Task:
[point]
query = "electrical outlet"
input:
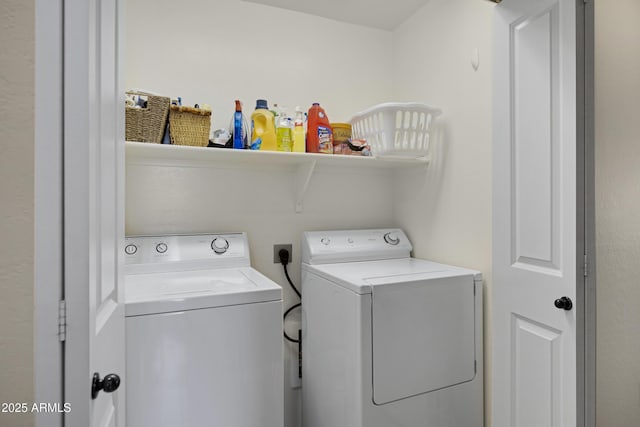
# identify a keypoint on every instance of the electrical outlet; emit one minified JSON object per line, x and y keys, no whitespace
{"x":276,"y":250}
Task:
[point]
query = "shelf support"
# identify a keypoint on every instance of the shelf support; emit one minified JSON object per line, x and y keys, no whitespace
{"x":303,"y":178}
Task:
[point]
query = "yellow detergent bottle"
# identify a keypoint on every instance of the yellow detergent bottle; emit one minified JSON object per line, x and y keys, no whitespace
{"x":284,"y":132}
{"x":299,"y":133}
{"x":263,"y":132}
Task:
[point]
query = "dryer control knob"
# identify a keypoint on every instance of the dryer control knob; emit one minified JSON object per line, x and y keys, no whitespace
{"x":219,"y":245}
{"x":391,"y":238}
{"x":325,"y":241}
{"x":161,"y":248}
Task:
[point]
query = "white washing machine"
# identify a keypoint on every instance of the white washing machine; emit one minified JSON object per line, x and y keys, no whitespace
{"x":388,"y":340}
{"x":203,"y":334}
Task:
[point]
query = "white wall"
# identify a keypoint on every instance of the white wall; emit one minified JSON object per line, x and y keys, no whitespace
{"x":217,"y":51}
{"x":16,"y":207}
{"x":193,"y":49}
{"x":444,"y":208}
{"x":617,"y":101}
{"x":447,"y":210}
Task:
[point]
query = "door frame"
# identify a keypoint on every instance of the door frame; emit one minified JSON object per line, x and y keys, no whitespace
{"x":58,"y":22}
{"x":586,"y":131}
{"x":586,"y":294}
{"x":48,"y":208}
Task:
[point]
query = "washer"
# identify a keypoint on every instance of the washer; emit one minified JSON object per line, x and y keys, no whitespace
{"x":388,"y":340}
{"x":203,"y":334}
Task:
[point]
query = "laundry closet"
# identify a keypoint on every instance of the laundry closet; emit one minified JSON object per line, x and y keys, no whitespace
{"x":437,"y":52}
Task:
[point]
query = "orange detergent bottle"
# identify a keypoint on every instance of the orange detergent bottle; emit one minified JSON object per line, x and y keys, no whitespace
{"x":319,"y":133}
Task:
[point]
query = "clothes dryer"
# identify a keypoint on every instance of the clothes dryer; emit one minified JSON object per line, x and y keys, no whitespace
{"x":388,"y":340}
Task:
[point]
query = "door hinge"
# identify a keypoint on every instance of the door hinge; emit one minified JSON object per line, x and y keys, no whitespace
{"x":62,"y":320}
{"x":586,"y":266}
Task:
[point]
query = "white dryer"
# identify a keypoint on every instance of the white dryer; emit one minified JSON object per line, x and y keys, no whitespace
{"x":203,"y":334}
{"x":388,"y":340}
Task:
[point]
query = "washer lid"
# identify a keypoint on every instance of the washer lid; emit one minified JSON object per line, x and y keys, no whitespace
{"x":190,"y":290}
{"x":361,"y":277}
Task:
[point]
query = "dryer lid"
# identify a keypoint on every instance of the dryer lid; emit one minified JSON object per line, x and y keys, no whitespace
{"x":190,"y":290}
{"x":423,"y":336}
{"x":362,"y":277}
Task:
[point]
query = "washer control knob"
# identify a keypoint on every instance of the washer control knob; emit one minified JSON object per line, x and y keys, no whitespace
{"x":130,"y":249}
{"x":325,"y":241}
{"x":391,"y":238}
{"x":219,"y":245}
{"x":161,"y":248}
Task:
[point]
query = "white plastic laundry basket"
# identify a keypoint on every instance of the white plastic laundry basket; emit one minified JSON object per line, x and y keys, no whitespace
{"x":396,"y":129}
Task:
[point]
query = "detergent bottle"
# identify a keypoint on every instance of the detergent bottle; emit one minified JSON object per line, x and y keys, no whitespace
{"x":239,"y":127}
{"x":299,"y":135}
{"x":276,"y":111}
{"x":319,"y":133}
{"x":263,"y":132}
{"x":284,"y":132}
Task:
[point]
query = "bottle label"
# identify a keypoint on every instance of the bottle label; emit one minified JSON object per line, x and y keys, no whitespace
{"x":238,"y":135}
{"x":284,"y":139}
{"x":325,"y":140}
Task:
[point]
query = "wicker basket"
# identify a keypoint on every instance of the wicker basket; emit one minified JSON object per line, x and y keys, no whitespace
{"x":189,"y":126}
{"x":147,"y":124}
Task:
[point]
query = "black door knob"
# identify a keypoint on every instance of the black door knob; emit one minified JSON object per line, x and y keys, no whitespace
{"x":563,"y":303}
{"x":109,"y":384}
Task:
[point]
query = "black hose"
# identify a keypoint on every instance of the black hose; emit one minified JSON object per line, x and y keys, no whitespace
{"x":286,"y":273}
{"x":284,"y":317}
{"x":284,"y":260}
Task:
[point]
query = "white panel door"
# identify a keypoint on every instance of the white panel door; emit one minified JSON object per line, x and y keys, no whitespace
{"x":93,"y":211}
{"x":537,"y":245}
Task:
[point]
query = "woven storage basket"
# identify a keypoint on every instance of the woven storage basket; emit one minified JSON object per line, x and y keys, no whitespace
{"x":396,"y":129}
{"x":189,"y":126}
{"x":147,"y":124}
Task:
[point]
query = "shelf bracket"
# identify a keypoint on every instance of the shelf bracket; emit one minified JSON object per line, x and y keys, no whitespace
{"x":303,"y":178}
